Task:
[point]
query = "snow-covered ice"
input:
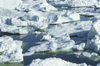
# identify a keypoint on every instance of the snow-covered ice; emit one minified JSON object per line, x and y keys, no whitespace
{"x":9,"y":4}
{"x":11,"y":50}
{"x":54,"y":62}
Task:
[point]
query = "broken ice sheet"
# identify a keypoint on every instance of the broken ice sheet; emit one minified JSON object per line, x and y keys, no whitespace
{"x":52,"y":44}
{"x":53,"y":23}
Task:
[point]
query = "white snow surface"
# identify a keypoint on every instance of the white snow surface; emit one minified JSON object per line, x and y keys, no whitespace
{"x":9,"y":4}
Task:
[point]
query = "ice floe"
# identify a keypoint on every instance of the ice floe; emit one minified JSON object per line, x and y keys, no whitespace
{"x":11,"y":50}
{"x":54,"y":62}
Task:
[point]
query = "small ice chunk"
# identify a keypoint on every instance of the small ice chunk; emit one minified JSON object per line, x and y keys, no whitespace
{"x":78,"y":28}
{"x":79,"y":46}
{"x":96,"y":27}
{"x":86,"y":54}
